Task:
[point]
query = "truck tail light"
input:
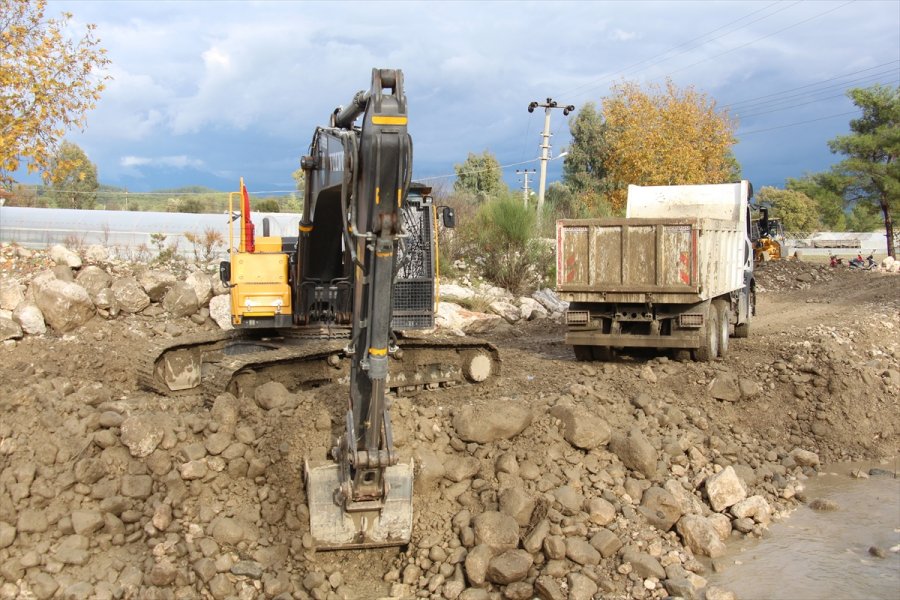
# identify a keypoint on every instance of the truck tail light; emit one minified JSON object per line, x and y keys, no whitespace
{"x":577,"y":317}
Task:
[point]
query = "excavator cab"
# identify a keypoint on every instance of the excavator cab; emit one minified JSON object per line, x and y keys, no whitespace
{"x":767,"y":236}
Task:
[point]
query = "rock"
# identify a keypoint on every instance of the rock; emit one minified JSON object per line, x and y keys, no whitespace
{"x":496,"y":530}
{"x":226,"y":530}
{"x":65,"y":306}
{"x":509,"y":312}
{"x":519,"y":590}
{"x":156,"y":283}
{"x":194,"y":469}
{"x":43,"y":585}
{"x":725,"y":387}
{"x":130,"y":296}
{"x":748,"y":388}
{"x":547,"y":589}
{"x":94,"y":280}
{"x":820,"y":504}
{"x":660,"y":508}
{"x":606,"y":542}
{"x":429,"y":470}
{"x":73,"y":550}
{"x":635,"y":451}
{"x":600,"y":511}
{"x":180,"y":300}
{"x":754,"y":507}
{"x":11,"y":294}
{"x":477,"y":561}
{"x":722,"y":524}
{"x":681,"y":587}
{"x":451,"y":291}
{"x":549,"y":300}
{"x":724,"y":489}
{"x":137,"y":486}
{"x":7,"y":535}
{"x":32,"y":521}
{"x":247,"y":568}
{"x":530,"y":309}
{"x":498,"y":421}
{"x":804,"y":458}
{"x":582,"y":428}
{"x":700,"y":536}
{"x":86,"y":522}
{"x":569,"y":499}
{"x":716,"y":593}
{"x":643,"y":564}
{"x":30,"y":318}
{"x":220,"y":311}
{"x":460,"y":468}
{"x":272,"y":394}
{"x":95,"y":253}
{"x":535,"y":538}
{"x":202,"y":286}
{"x":580,"y":551}
{"x":63,"y":256}
{"x":454,"y":316}
{"x":517,"y":503}
{"x":509,"y":567}
{"x":142,"y":434}
{"x":581,"y":587}
{"x":10,"y":330}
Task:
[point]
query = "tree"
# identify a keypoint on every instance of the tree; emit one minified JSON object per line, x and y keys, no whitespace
{"x":873,"y":149}
{"x":72,"y":178}
{"x":664,"y":137}
{"x":797,"y":211}
{"x":827,"y":191}
{"x":480,"y":175}
{"x":48,"y":82}
{"x":583,"y":166}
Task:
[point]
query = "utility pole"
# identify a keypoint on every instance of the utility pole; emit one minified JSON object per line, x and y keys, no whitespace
{"x":545,"y":145}
{"x":525,"y":173}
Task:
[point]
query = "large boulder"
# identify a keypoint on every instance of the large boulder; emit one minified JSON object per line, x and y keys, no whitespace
{"x":11,"y":294}
{"x":156,"y":283}
{"x":549,"y":300}
{"x":530,"y":309}
{"x":180,"y":300}
{"x":65,"y":306}
{"x":508,"y":311}
{"x":129,"y":295}
{"x":725,"y":489}
{"x":451,"y":291}
{"x":30,"y":317}
{"x":498,"y":531}
{"x":63,"y":256}
{"x":93,"y":279}
{"x":202,"y":286}
{"x":582,"y":428}
{"x":700,"y":535}
{"x":500,"y":420}
{"x":660,"y":507}
{"x":96,"y":253}
{"x":635,"y":451}
{"x":453,"y":316}
{"x":220,"y":311}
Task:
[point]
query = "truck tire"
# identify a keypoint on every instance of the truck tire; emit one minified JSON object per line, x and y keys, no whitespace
{"x":723,"y":312}
{"x":583,"y":353}
{"x":709,"y":337}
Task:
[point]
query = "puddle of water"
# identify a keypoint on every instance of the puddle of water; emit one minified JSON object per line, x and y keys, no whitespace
{"x":812,"y":555}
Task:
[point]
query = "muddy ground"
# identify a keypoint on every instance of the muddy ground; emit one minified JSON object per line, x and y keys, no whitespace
{"x":107,"y":491}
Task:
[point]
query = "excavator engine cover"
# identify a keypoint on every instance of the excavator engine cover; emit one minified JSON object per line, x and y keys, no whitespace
{"x":387,"y":522}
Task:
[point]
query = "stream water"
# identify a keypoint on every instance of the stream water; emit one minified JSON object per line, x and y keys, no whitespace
{"x":817,"y":555}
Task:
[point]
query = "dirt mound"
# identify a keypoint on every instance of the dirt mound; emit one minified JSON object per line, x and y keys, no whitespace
{"x":107,"y":491}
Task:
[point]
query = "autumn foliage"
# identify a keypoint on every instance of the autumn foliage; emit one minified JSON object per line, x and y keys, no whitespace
{"x":48,"y":82}
{"x":664,"y":136}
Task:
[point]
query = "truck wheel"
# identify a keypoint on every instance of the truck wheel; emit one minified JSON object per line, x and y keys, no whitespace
{"x":583,"y":353}
{"x":709,"y":337}
{"x":723,"y":312}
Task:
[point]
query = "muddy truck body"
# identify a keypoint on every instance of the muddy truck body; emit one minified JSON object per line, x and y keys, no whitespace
{"x":675,"y":273}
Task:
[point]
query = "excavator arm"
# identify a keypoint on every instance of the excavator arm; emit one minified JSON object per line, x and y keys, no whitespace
{"x":362,"y":176}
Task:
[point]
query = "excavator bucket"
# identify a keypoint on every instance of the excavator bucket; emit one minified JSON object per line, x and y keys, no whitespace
{"x":371,"y":525}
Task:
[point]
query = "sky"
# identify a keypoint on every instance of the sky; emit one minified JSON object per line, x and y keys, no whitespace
{"x":202,"y":93}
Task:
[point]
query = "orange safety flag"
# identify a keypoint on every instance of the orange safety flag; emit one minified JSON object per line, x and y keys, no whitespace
{"x":247,"y":238}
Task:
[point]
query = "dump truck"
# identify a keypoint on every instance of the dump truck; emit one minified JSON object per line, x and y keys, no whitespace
{"x":676,"y":273}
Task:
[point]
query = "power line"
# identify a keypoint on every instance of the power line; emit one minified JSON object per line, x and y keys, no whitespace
{"x":852,"y":112}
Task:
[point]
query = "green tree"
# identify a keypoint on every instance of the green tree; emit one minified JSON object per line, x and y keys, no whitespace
{"x":583,"y":166}
{"x":48,"y":82}
{"x":872,"y":150}
{"x":72,"y":178}
{"x":481,"y":176}
{"x":865,"y":216}
{"x":827,"y":191}
{"x":797,"y":211}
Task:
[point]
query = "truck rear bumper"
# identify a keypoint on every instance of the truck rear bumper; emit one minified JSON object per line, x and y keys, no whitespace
{"x":595,"y":338}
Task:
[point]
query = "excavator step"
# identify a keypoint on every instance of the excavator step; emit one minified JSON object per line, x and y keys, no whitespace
{"x":384,"y":523}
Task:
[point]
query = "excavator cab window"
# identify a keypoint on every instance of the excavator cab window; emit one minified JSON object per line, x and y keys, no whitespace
{"x":448,"y":217}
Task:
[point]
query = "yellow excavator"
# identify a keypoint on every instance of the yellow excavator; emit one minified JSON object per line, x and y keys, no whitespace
{"x":767,"y":237}
{"x":340,"y":301}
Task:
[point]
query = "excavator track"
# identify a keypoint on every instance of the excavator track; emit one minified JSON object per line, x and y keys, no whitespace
{"x":238,"y":361}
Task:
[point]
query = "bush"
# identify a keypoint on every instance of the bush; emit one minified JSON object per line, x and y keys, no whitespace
{"x":269,"y":205}
{"x":504,"y":237}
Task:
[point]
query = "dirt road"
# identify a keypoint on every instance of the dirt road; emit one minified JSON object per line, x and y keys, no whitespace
{"x":107,"y":491}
